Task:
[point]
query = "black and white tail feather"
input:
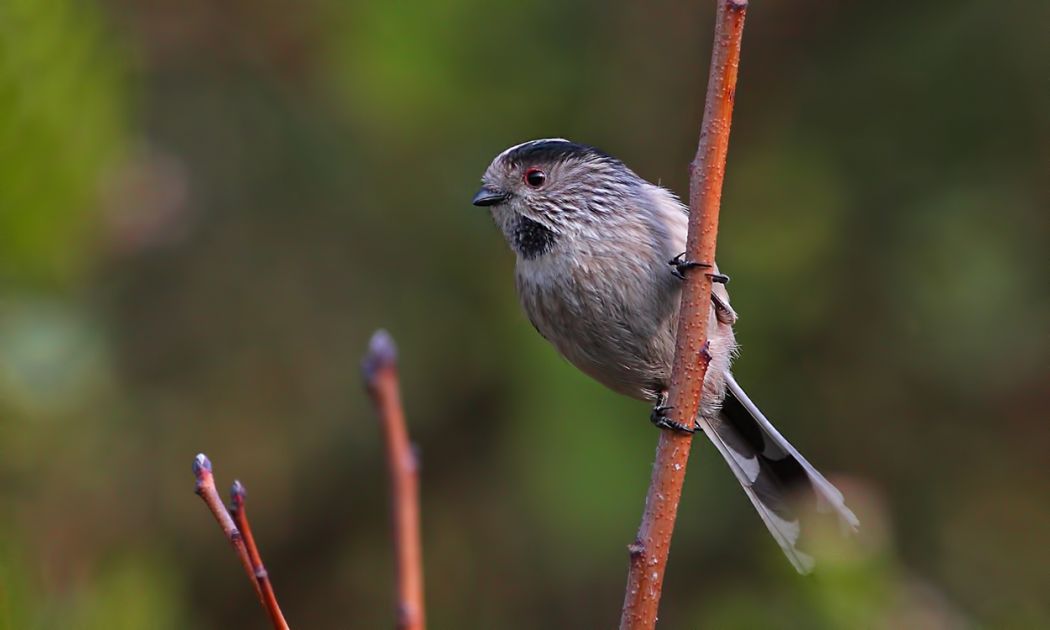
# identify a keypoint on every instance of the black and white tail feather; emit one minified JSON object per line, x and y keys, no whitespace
{"x":773,"y":474}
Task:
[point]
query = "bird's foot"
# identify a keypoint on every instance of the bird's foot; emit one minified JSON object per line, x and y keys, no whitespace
{"x":681,"y":264}
{"x":661,"y":420}
{"x":705,"y":351}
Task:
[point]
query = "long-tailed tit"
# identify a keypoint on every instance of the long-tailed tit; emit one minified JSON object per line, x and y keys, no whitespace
{"x":598,"y":273}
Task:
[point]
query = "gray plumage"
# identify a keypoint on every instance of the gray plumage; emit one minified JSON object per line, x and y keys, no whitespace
{"x":593,"y":242}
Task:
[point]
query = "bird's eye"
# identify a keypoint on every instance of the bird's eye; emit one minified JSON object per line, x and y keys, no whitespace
{"x":535,"y":177}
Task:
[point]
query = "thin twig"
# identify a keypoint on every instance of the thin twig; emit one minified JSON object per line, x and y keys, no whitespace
{"x":381,"y":379}
{"x":206,"y":490}
{"x":262,"y":577}
{"x":649,"y":551}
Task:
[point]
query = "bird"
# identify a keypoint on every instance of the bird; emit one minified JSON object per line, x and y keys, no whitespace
{"x":599,"y":267}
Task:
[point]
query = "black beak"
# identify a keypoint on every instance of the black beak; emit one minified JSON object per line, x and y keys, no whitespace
{"x":489,"y":197}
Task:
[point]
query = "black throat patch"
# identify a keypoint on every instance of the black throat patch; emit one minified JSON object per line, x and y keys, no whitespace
{"x":531,"y":239}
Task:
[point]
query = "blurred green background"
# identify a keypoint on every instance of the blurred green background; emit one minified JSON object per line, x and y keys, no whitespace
{"x":207,"y":207}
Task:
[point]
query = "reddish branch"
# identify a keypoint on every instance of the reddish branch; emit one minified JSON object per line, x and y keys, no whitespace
{"x":262,"y":578}
{"x":381,"y":379}
{"x":649,"y":551}
{"x":239,"y":534}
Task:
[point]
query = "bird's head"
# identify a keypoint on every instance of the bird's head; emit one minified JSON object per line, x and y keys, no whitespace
{"x":540,"y":190}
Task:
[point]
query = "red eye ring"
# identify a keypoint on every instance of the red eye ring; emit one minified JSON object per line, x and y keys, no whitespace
{"x":534,"y":177}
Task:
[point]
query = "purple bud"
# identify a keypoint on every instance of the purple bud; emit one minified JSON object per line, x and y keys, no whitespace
{"x":238,"y":492}
{"x":201,"y":465}
{"x":382,"y":353}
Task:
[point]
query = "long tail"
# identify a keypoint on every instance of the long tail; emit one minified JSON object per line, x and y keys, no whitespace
{"x":774,"y":475}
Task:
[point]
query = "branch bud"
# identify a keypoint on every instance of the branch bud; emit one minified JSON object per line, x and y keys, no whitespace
{"x":382,"y":353}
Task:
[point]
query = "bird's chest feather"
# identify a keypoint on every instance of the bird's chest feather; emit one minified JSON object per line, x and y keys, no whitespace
{"x":607,"y":314}
{"x":569,"y":289}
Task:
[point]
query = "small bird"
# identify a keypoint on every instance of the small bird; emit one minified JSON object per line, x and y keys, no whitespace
{"x":600,"y":259}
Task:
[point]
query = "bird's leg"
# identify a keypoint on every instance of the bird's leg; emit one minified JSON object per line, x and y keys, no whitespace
{"x":681,"y":264}
{"x":660,"y":418}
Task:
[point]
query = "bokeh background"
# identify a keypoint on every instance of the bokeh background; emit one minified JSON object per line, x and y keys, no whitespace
{"x":207,"y":207}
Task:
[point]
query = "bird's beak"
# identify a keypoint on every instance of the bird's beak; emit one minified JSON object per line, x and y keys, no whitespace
{"x":489,"y":197}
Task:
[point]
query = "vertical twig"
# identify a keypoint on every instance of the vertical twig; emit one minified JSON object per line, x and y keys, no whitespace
{"x":381,"y":379}
{"x":239,"y":534}
{"x":262,"y":578}
{"x":650,"y":549}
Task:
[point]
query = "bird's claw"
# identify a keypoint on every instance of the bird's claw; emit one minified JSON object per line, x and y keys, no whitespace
{"x":661,"y":420}
{"x":680,"y":265}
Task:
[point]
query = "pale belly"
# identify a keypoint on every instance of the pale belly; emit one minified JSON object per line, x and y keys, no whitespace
{"x":619,"y":330}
